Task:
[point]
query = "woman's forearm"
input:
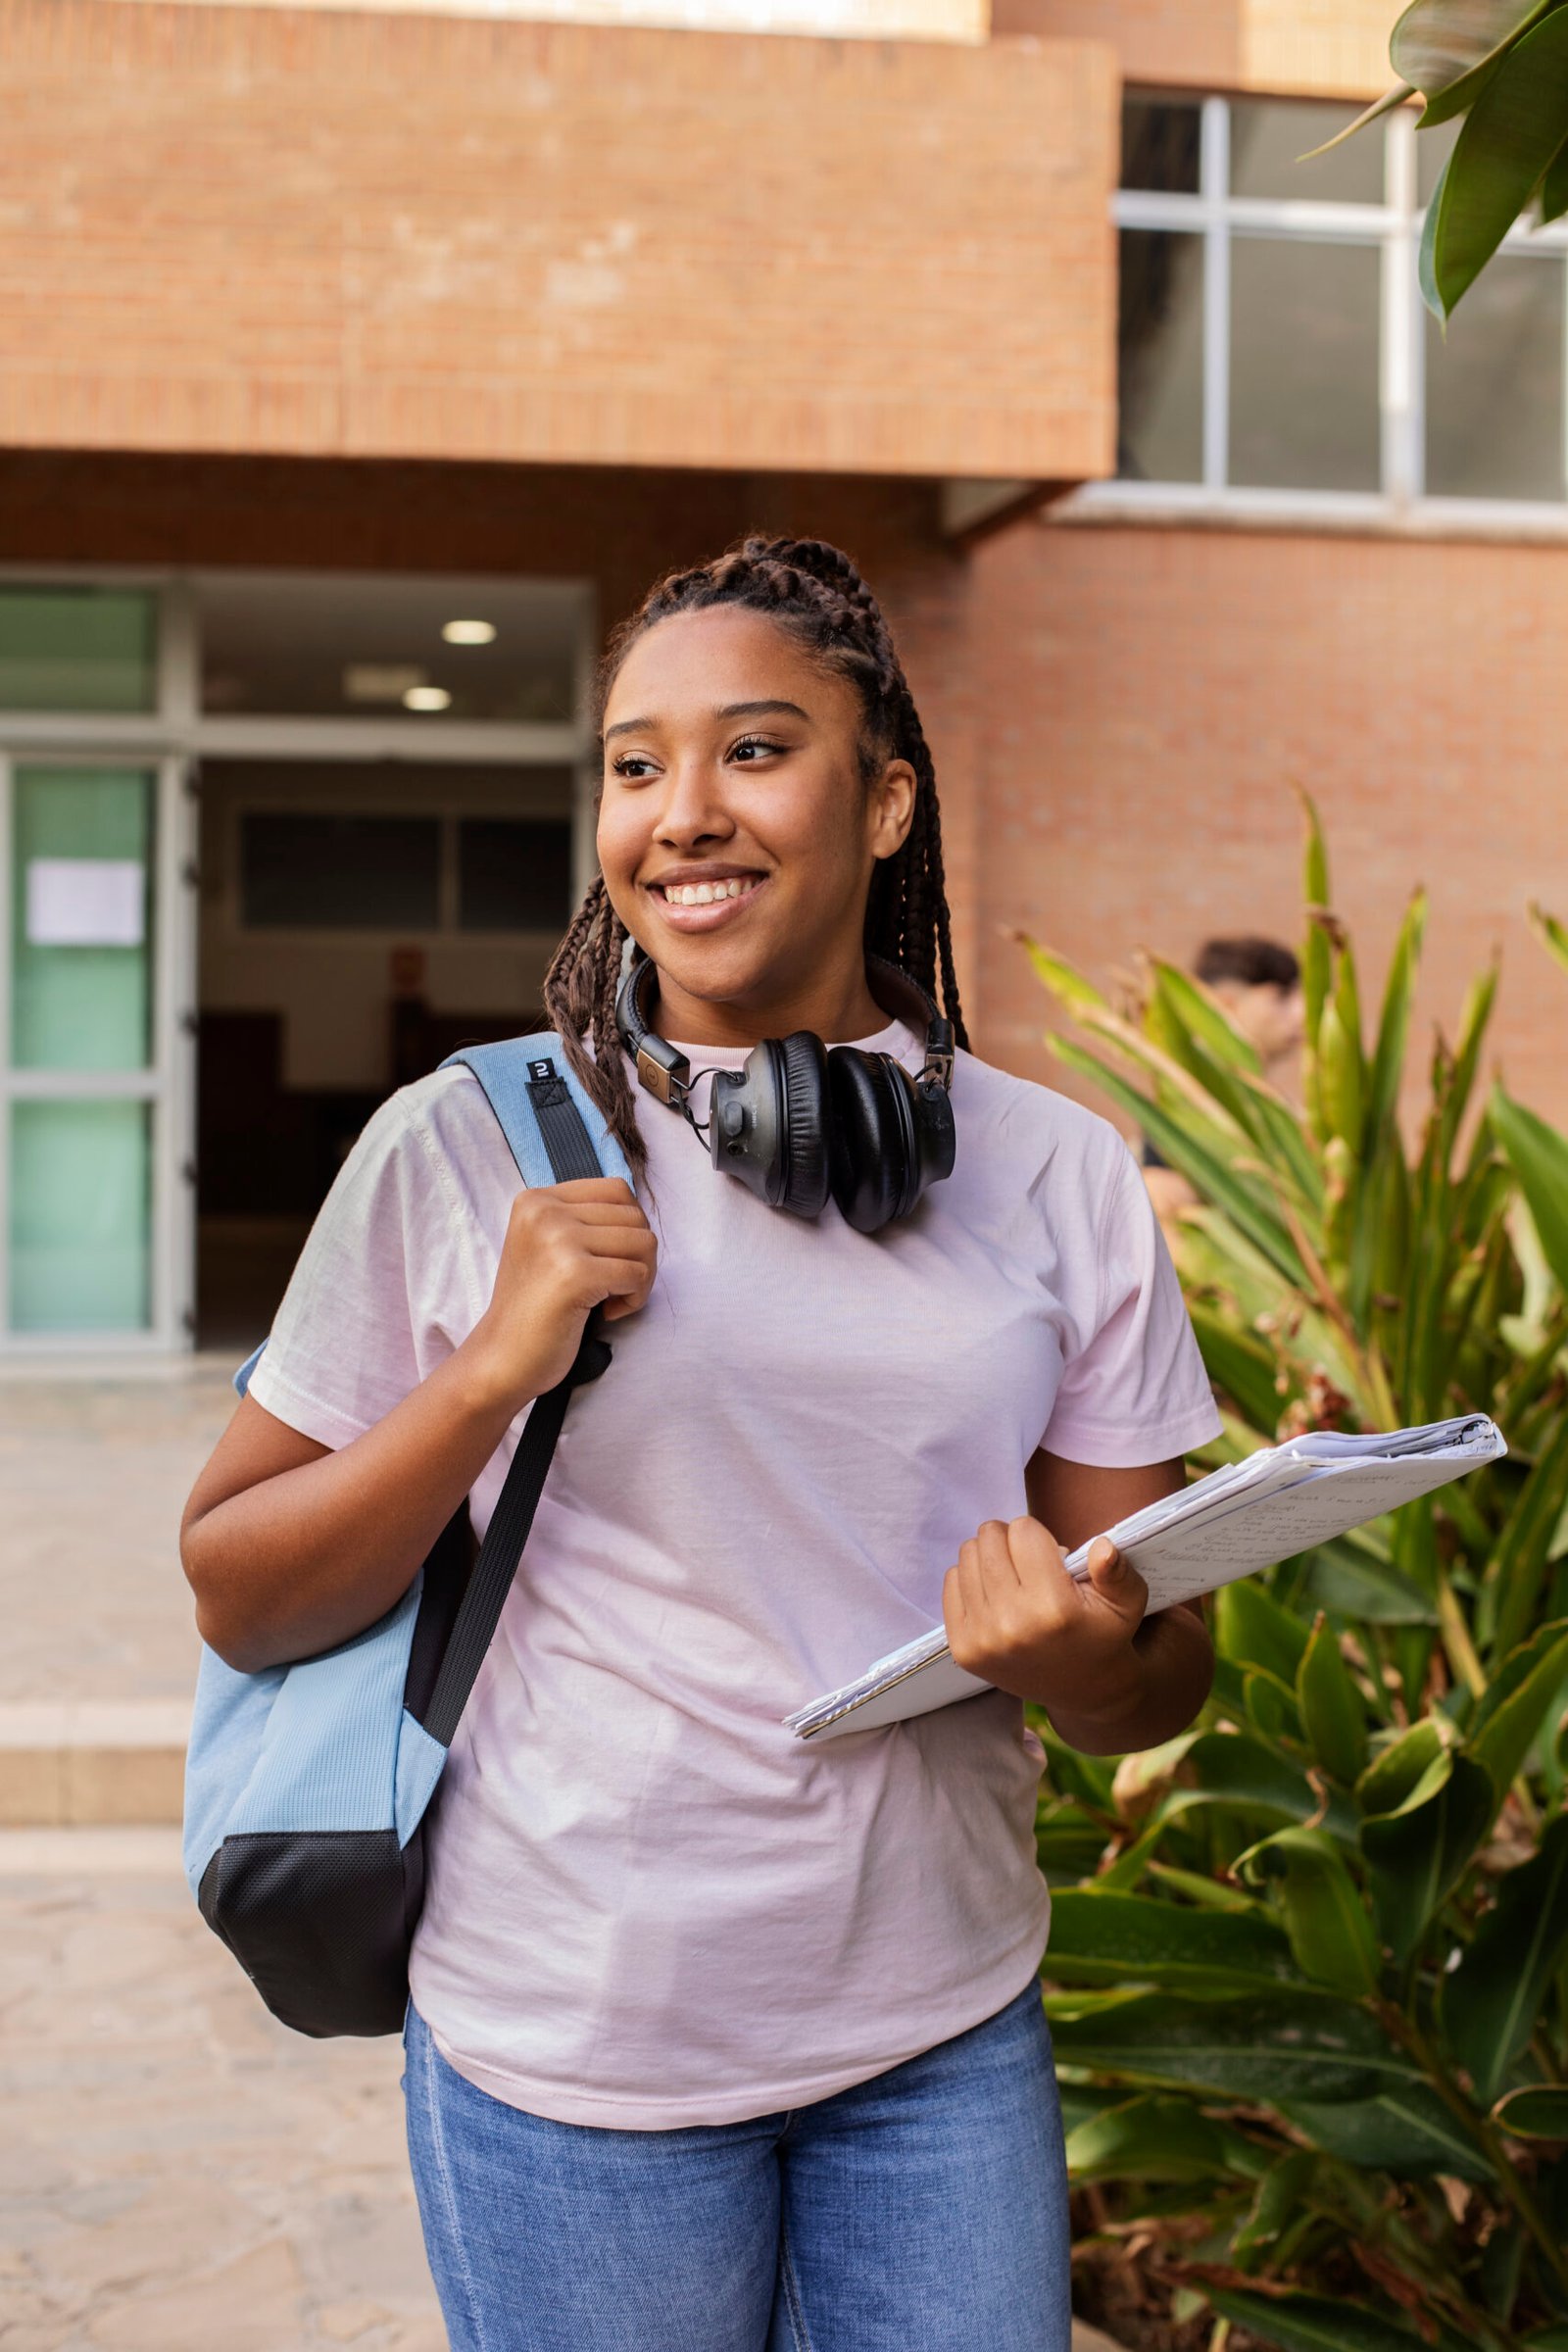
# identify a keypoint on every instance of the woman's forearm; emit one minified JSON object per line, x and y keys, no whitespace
{"x":1170,"y":1672}
{"x":302,"y":1560}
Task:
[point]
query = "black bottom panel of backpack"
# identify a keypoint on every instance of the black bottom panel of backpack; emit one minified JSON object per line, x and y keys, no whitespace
{"x":320,"y":1921}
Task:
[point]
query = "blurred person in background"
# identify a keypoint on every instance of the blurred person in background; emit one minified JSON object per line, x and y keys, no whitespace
{"x":1258,"y":982}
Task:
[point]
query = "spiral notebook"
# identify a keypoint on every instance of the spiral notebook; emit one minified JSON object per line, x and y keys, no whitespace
{"x":1279,"y":1501}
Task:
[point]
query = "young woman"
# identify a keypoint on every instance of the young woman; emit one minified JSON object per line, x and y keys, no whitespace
{"x":720,"y":2040}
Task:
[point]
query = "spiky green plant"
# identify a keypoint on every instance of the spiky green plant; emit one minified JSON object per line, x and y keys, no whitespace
{"x":1308,"y":1966}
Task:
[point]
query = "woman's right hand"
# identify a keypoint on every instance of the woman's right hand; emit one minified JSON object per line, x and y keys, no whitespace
{"x":569,"y":1247}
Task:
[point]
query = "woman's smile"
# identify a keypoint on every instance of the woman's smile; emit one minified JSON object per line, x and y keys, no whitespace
{"x":692,"y":900}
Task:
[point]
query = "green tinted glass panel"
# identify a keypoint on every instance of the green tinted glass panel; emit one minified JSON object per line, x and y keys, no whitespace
{"x":78,"y":649}
{"x":80,"y":1257}
{"x":82,"y":919}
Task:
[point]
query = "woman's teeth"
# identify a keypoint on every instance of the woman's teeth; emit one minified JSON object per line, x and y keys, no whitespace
{"x":703,"y":894}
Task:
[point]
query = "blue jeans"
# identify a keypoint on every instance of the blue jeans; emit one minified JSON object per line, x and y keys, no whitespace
{"x":923,"y":2211}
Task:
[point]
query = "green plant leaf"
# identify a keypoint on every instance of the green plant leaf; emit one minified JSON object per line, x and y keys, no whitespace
{"x":1113,"y":1939}
{"x":1234,"y":1769}
{"x":1538,"y":1156}
{"x":1071,"y":988}
{"x":1259,"y":2046}
{"x":1333,"y":1710}
{"x":1417,"y":1855}
{"x":1538,"y":2112}
{"x":1552,"y":934}
{"x":1518,"y":1568}
{"x":1299,"y":2323}
{"x":1515,"y":127}
{"x":1324,"y":1911}
{"x":1545,"y":2340}
{"x":1514,"y":1704}
{"x":1408,"y":2130}
{"x":1203,"y":1017}
{"x":1157,"y":2139}
{"x":1491,"y":2002}
{"x":1447,"y":46}
{"x":1251,"y":1628}
{"x":1270,"y":1706}
{"x":1406,"y":1771}
{"x":1351,"y":1585}
{"x":1341,"y":1070}
{"x":1238,"y":1364}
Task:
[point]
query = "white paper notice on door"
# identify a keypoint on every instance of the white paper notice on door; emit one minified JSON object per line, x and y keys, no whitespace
{"x":85,"y":902}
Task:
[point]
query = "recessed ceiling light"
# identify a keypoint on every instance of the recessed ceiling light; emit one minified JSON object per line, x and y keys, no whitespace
{"x":470,"y":632}
{"x":426,"y":697}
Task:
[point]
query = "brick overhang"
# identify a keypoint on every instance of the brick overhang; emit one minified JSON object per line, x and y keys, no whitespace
{"x":284,"y":233}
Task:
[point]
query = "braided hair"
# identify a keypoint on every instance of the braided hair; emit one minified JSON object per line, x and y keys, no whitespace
{"x":814,"y":592}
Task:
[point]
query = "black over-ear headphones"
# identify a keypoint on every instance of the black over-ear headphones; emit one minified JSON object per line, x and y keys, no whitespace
{"x":804,"y":1120}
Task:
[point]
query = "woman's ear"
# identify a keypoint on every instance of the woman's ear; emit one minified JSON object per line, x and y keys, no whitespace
{"x":890,"y":807}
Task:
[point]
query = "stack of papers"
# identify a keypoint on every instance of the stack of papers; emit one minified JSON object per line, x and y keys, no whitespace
{"x":1250,"y":1515}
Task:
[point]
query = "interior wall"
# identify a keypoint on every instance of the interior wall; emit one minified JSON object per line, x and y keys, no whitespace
{"x":332,"y":989}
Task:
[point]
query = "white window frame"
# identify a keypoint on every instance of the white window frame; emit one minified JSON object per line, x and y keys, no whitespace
{"x":173,"y":740}
{"x":1394,"y":227}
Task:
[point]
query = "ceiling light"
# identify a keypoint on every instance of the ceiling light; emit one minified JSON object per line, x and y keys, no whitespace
{"x":470,"y":632}
{"x":426,"y":697}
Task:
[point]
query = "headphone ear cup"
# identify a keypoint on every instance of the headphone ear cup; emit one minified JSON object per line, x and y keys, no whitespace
{"x":801,"y":1075}
{"x":873,"y":1161}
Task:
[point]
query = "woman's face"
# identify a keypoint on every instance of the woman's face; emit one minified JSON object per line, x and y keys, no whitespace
{"x":736,"y":832}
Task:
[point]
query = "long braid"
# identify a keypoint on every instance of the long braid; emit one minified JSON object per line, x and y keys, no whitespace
{"x":814,"y":591}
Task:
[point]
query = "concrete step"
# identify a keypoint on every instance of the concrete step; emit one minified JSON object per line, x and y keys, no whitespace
{"x":71,"y":1763}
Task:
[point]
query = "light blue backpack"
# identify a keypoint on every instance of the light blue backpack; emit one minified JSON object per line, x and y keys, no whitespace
{"x":307,"y":1787}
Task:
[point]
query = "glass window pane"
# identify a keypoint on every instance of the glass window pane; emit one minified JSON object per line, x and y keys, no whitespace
{"x":1160,"y":357}
{"x":82,"y":918}
{"x":1494,"y":389}
{"x":1160,"y":138}
{"x":340,"y":873}
{"x":78,"y":649}
{"x":344,"y":647}
{"x":1269,"y":136}
{"x":513,"y":874}
{"x":1304,"y":365}
{"x":80,"y":1193}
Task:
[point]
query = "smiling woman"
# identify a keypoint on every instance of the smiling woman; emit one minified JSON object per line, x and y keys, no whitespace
{"x":715,"y":2039}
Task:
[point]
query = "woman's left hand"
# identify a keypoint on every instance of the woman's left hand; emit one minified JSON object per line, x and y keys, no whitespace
{"x":1019,"y":1620}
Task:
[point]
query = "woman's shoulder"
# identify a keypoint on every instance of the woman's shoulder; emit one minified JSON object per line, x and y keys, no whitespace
{"x":1023,"y":1121}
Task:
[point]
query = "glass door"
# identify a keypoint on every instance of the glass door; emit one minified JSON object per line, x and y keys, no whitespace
{"x":96,"y":1189}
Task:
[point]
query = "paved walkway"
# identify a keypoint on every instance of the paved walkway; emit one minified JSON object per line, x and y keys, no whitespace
{"x":94,"y":1472}
{"x":177,"y":2172}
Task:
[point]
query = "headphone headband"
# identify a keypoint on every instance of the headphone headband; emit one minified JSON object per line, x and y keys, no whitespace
{"x":666,"y":1073}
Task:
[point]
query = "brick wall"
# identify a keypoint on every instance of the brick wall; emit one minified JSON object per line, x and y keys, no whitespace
{"x":1311,"y":48}
{"x":1151,"y":694}
{"x":344,"y":233}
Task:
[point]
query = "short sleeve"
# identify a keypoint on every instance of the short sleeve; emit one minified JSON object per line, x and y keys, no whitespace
{"x":383,"y":1290}
{"x":1136,"y":1391}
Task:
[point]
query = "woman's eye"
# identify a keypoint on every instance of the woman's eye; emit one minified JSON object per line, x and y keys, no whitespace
{"x":631,"y":767}
{"x":753,"y":747}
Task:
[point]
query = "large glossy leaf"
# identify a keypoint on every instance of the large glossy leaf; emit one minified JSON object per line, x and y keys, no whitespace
{"x":1112,"y":1938}
{"x":1333,"y":1710}
{"x":1407,"y":1769}
{"x":1352,"y":1583}
{"x":1408,"y":2129}
{"x":1299,"y":2323}
{"x":1417,"y":1856}
{"x":1258,"y":2046}
{"x":1449,"y":49}
{"x":1515,"y":1704}
{"x":1437,"y":42}
{"x":1538,"y":1156}
{"x":1158,"y":2138}
{"x":1514,"y":127}
{"x":1491,"y":2002}
{"x":1323,"y":1909}
{"x":1233,"y":1769}
{"x":1252,"y":1629}
{"x":1538,"y":2112}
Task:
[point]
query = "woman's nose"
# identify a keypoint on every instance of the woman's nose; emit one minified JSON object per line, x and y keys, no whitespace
{"x":692,"y":809}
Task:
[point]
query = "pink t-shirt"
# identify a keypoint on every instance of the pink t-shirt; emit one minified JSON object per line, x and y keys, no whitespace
{"x":650,"y":1905}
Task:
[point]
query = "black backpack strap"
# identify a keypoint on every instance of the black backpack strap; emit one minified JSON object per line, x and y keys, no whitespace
{"x":571,"y":1155}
